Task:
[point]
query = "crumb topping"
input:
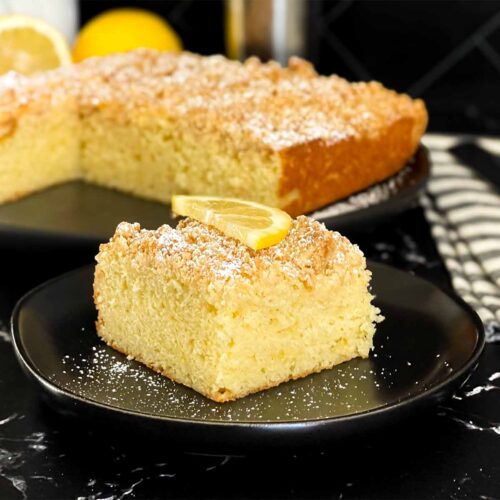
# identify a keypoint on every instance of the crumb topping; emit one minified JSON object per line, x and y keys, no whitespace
{"x":206,"y":254}
{"x":37,"y":93}
{"x":251,"y":102}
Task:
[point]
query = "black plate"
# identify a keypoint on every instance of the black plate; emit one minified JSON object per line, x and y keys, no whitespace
{"x":76,"y":213}
{"x":426,"y":347}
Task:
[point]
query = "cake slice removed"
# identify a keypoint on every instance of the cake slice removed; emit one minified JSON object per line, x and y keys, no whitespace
{"x":211,"y":313}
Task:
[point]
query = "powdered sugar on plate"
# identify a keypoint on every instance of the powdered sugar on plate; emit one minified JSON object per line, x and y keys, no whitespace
{"x":104,"y":376}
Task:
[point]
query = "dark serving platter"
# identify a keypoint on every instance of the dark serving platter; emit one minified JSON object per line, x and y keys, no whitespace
{"x":76,"y":213}
{"x":425,"y":349}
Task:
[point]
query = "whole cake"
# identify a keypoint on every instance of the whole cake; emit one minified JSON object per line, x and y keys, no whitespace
{"x":211,"y":313}
{"x":157,"y":124}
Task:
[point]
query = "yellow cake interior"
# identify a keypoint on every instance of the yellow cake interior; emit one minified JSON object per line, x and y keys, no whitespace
{"x":114,"y":154}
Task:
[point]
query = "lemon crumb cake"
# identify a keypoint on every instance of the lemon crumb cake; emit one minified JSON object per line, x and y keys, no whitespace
{"x":156,"y":124}
{"x":209,"y":312}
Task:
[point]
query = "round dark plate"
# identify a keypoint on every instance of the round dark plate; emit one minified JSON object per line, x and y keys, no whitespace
{"x":76,"y":213}
{"x":424,"y":350}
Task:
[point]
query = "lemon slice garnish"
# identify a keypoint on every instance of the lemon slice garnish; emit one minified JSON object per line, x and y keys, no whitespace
{"x":257,"y":226}
{"x":28,"y":45}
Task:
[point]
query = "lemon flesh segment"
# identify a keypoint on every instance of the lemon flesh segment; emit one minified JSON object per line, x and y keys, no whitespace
{"x":28,"y":45}
{"x":255,"y":225}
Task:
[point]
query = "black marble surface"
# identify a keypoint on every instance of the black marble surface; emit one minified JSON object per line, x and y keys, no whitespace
{"x":451,"y":451}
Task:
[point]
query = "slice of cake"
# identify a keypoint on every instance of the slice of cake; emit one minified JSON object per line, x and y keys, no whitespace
{"x":209,"y":312}
{"x":156,"y":124}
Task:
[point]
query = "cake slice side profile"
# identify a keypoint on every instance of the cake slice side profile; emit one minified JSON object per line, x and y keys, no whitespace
{"x":225,"y":320}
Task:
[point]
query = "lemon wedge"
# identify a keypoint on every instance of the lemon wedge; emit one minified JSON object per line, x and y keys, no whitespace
{"x":28,"y":45}
{"x":255,"y":225}
{"x":124,"y":29}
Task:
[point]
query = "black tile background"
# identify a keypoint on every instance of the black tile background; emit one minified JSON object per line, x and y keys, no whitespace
{"x":445,"y":51}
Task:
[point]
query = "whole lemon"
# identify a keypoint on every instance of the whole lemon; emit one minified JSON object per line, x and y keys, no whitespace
{"x":120,"y":30}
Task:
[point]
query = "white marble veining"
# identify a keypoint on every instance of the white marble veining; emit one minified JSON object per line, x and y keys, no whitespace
{"x":471,"y":421}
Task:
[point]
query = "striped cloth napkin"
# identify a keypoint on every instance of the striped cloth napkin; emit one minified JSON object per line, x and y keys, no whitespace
{"x":463,"y":210}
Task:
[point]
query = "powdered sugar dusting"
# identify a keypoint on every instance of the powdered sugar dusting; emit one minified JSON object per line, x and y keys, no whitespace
{"x":251,"y":104}
{"x":202,"y":254}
